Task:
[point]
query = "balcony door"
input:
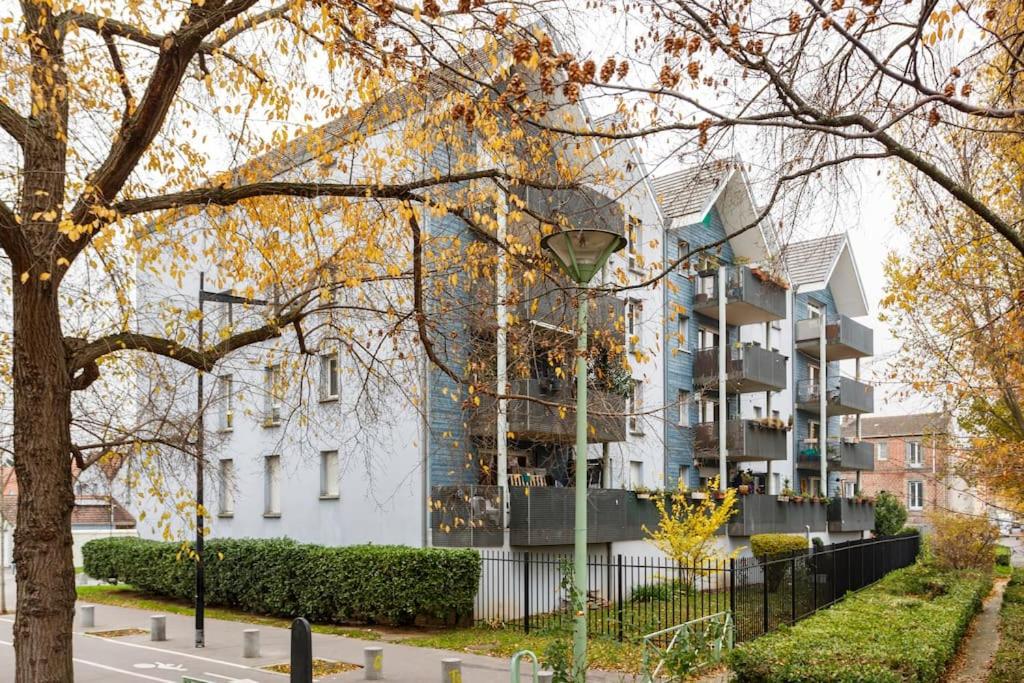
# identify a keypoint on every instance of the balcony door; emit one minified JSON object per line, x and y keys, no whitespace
{"x":707,"y":338}
{"x":708,"y":411}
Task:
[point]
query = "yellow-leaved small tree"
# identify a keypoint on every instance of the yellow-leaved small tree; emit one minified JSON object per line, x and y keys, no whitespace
{"x":686,"y":530}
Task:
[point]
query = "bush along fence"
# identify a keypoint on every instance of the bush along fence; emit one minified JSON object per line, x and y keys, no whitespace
{"x":353,"y":584}
{"x":633,"y":596}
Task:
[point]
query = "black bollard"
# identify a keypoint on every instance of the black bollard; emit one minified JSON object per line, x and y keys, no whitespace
{"x":302,"y":652}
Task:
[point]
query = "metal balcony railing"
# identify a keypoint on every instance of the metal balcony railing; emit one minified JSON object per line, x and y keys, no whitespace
{"x":547,"y":516}
{"x":845,"y":338}
{"x":766,"y":514}
{"x":751,"y":297}
{"x":745,"y":440}
{"x":843,"y":396}
{"x":552,"y":417}
{"x":846,"y":514}
{"x":843,"y":455}
{"x":748,"y":368}
{"x":466,"y":516}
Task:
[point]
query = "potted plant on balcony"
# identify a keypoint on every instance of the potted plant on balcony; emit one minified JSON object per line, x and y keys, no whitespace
{"x":642,"y":492}
{"x":798,"y":499}
{"x":746,"y":483}
{"x":786,"y":493}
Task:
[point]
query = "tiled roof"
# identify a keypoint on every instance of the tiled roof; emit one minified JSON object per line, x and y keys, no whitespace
{"x":687,"y":191}
{"x":918,"y":424}
{"x":88,"y":511}
{"x":810,"y":261}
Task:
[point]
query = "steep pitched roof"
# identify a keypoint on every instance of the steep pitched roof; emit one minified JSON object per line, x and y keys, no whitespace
{"x":811,"y":261}
{"x":688,"y":191}
{"x":916,"y":424}
{"x":88,"y":511}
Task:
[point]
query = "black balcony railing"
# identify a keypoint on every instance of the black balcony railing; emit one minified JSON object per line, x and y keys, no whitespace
{"x":843,"y":455}
{"x":751,"y":297}
{"x":844,"y":338}
{"x":552,"y":416}
{"x":766,"y":514}
{"x":748,"y":368}
{"x":466,"y":516}
{"x":847,"y":514}
{"x":843,"y":396}
{"x":745,"y":440}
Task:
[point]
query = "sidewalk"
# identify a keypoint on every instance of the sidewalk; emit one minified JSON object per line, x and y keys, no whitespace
{"x":133,"y":658}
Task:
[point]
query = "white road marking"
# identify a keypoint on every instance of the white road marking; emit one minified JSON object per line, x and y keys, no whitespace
{"x":173,"y":653}
{"x":230,"y":679}
{"x":108,"y":668}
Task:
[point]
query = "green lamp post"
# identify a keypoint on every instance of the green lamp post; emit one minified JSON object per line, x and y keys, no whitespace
{"x":581,"y":253}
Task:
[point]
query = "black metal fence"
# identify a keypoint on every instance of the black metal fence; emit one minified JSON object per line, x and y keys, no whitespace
{"x":632,"y":596}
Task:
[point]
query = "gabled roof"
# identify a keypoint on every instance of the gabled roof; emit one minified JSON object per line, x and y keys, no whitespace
{"x":815,"y":264}
{"x":88,"y":511}
{"x":688,"y":196}
{"x":917,"y":424}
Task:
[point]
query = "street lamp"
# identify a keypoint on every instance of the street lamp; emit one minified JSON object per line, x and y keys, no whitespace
{"x":581,"y":253}
{"x":200,"y":587}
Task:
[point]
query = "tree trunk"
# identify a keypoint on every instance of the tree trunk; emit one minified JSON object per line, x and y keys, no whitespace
{"x":42,"y":444}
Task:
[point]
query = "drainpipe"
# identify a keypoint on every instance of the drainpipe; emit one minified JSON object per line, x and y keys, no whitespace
{"x":822,"y":405}
{"x":723,"y":348}
{"x":768,"y":409}
{"x":425,"y":538}
{"x":501,"y":291}
{"x":856,"y":365}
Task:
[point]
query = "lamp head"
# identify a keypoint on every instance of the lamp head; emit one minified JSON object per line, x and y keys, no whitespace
{"x":581,"y":253}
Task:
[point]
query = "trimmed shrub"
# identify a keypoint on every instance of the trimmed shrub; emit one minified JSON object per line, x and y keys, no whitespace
{"x":907,"y":627}
{"x":890,"y":514}
{"x":1008,"y":665}
{"x":353,"y":584}
{"x":766,"y":546}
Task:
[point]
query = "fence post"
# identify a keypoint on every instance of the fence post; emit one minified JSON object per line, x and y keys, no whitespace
{"x":764,"y":592}
{"x":526,"y":592}
{"x":618,"y":603}
{"x":792,"y":587}
{"x":732,"y":588}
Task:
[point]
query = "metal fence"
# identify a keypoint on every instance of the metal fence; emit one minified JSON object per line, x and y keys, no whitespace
{"x":632,"y":596}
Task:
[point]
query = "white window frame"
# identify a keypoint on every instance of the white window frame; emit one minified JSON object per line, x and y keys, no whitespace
{"x":636,"y":403}
{"x":849,"y":489}
{"x":915,"y":454}
{"x":912,"y":503}
{"x":815,"y":310}
{"x":683,"y":398}
{"x":329,"y":475}
{"x":273,"y":403}
{"x":683,"y":332}
{"x":758,"y":412}
{"x":636,"y":466}
{"x":683,"y":247}
{"x":272,"y":486}
{"x":706,"y":335}
{"x":226,"y":497}
{"x":225,"y":403}
{"x":707,"y":410}
{"x":635,"y":235}
{"x":882,"y":451}
{"x":634,"y":324}
{"x":330,"y":375}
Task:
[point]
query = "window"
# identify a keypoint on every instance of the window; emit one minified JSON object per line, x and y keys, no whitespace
{"x":914,"y":454}
{"x":226,"y":499}
{"x":815,"y":310}
{"x":225,"y":403}
{"x":708,"y":410}
{"x":849,"y":489}
{"x":328,"y":474}
{"x":812,"y":431}
{"x":634,"y":330}
{"x":915,"y":495}
{"x":814,"y":373}
{"x":272,"y":396}
{"x":774,"y":334}
{"x":329,"y":380}
{"x":682,"y":332}
{"x":635,"y":235}
{"x":636,"y":474}
{"x":706,"y":338}
{"x":636,"y":404}
{"x":758,"y":412}
{"x":272,"y":485}
{"x":776,"y":483}
{"x":706,"y":283}
{"x":882,"y":450}
{"x":777,"y":415}
{"x":684,"y":408}
{"x":682,"y":249}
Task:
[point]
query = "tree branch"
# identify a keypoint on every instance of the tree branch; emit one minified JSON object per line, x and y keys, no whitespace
{"x":15,"y":125}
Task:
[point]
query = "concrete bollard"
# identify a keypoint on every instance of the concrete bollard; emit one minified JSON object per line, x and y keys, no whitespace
{"x":251,"y":643}
{"x":545,"y":676}
{"x":158,"y":627}
{"x":451,"y":670}
{"x":88,"y":616}
{"x":373,"y":663}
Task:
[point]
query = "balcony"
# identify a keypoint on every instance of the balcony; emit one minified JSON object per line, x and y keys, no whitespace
{"x":845,"y":338}
{"x":846,"y":514}
{"x":750,"y":298}
{"x":552,"y":417}
{"x":843,"y":456}
{"x":766,"y":514}
{"x":844,"y":396}
{"x":547,"y":516}
{"x":466,"y":516}
{"x":749,"y":368}
{"x":547,"y":305}
{"x":745,"y":441}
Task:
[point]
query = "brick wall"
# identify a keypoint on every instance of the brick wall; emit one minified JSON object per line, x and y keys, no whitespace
{"x":893,"y":474}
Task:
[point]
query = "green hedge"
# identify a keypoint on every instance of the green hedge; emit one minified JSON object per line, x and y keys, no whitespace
{"x":1008,"y":665}
{"x":1003,"y":554}
{"x":353,"y":584}
{"x":772,"y":545}
{"x":905,"y":628}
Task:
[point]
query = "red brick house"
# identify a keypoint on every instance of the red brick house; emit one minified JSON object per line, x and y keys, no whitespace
{"x":914,"y":461}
